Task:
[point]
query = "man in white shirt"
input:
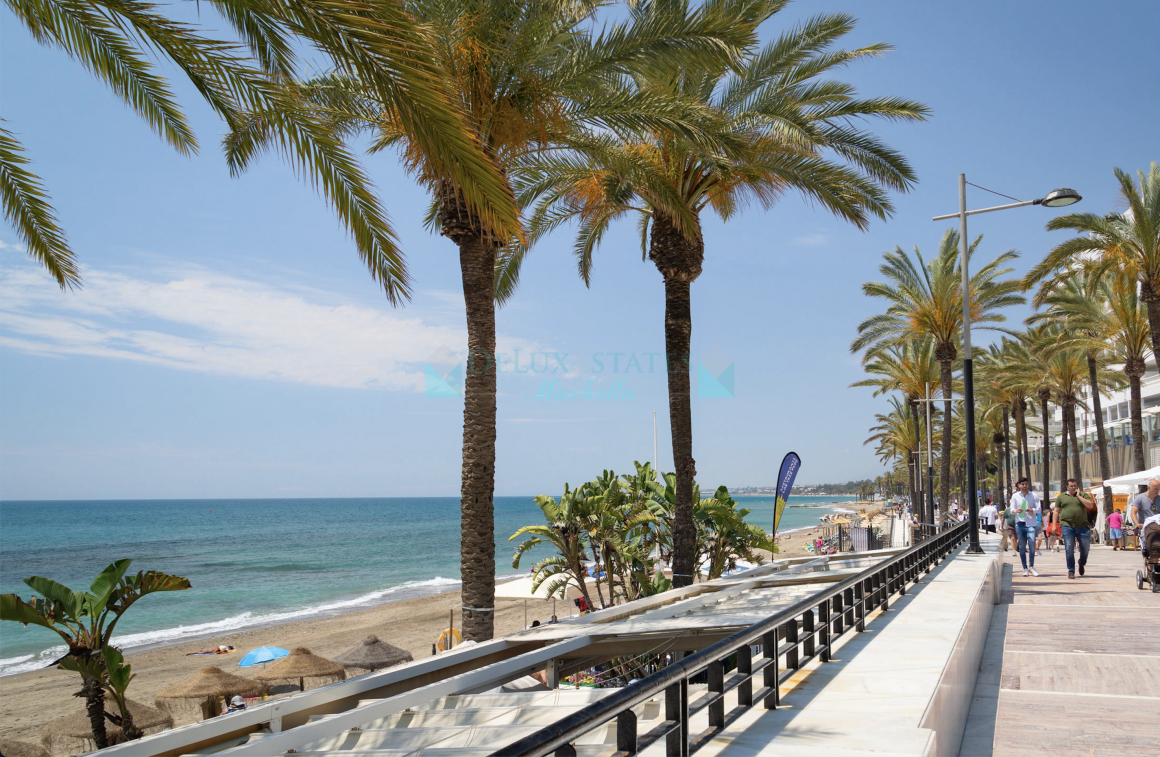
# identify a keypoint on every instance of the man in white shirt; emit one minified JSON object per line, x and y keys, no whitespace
{"x":989,"y":513}
{"x":1025,"y":504}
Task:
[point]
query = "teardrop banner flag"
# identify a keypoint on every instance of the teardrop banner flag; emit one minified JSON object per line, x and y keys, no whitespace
{"x":790,"y":465}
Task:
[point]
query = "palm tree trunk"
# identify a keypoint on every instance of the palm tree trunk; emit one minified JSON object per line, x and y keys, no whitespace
{"x":95,"y":707}
{"x":1101,"y":439}
{"x":679,"y":261}
{"x":1043,"y":402}
{"x":1063,"y":453}
{"x":916,"y":463}
{"x":1007,"y":491}
{"x":1024,"y":440}
{"x":944,"y":489}
{"x":1137,"y":416}
{"x":1151,"y":298}
{"x":1072,"y":421}
{"x":477,"y":259}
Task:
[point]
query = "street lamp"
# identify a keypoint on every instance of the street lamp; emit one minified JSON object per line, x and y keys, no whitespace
{"x":1057,"y":198}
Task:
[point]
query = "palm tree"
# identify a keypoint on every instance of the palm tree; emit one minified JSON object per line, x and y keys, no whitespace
{"x":926,"y":301}
{"x":910,"y":368}
{"x":1109,"y":322}
{"x":564,"y":530}
{"x":522,"y":75}
{"x":778,"y":126}
{"x":1128,"y":242}
{"x":85,"y":621}
{"x":114,"y":41}
{"x":896,"y":438}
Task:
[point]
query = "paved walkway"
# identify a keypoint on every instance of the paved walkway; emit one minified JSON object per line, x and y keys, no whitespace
{"x":1072,"y":667}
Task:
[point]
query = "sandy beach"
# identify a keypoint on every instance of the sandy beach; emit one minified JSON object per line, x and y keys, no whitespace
{"x":30,"y":701}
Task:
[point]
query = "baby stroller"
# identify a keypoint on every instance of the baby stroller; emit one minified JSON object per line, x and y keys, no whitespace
{"x":1150,"y":541}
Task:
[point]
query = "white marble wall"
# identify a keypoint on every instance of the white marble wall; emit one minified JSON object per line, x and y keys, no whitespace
{"x":946,"y":715}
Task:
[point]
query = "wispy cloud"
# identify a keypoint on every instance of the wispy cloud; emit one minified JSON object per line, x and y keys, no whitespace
{"x":197,"y":320}
{"x":812,"y":240}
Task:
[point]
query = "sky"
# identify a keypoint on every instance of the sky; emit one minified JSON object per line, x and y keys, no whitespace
{"x":228,"y":342}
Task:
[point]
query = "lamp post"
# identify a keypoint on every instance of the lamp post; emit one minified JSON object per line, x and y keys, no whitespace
{"x":1057,"y":198}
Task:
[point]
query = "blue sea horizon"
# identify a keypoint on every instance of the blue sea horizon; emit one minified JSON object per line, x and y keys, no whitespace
{"x":259,"y":562}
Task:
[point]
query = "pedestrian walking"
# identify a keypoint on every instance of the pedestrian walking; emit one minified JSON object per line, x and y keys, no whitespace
{"x":1008,"y":524}
{"x":1116,"y":530}
{"x":988,"y":513}
{"x":1144,"y":506}
{"x":1072,"y":513}
{"x":1025,"y":504}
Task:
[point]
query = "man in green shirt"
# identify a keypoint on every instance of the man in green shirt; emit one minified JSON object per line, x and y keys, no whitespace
{"x":1073,"y":514}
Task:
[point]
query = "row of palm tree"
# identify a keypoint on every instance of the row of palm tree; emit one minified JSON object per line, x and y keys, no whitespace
{"x":1091,"y":333}
{"x":624,"y":527}
{"x":498,"y":107}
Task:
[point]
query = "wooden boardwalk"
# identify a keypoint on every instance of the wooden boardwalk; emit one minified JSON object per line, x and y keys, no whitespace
{"x":1072,"y":667}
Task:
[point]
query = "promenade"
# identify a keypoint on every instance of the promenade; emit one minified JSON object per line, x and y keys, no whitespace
{"x":1071,"y":667}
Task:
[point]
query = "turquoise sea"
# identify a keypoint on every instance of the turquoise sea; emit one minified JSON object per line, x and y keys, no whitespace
{"x":255,"y":562}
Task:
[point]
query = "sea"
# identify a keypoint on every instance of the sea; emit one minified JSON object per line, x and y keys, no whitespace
{"x":260,"y":562}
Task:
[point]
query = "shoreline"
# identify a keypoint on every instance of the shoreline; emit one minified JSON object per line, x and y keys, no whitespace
{"x":30,"y":700}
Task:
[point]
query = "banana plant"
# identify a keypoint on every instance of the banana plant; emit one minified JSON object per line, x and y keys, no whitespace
{"x":564,"y":530}
{"x":85,"y":620}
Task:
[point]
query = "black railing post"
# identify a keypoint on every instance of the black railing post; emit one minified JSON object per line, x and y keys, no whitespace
{"x":837,"y":615}
{"x":626,"y":732}
{"x":745,"y":668}
{"x":824,"y":630}
{"x":860,"y":604}
{"x":566,"y":750}
{"x":848,"y":601}
{"x":674,"y":714}
{"x":770,"y":673}
{"x":791,"y":639}
{"x":808,"y":633}
{"x":716,"y":675}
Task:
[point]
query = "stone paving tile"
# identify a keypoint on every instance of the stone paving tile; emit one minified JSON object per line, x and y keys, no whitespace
{"x":1081,"y":663}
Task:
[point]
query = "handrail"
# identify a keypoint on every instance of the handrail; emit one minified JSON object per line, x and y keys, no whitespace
{"x":839,"y":608}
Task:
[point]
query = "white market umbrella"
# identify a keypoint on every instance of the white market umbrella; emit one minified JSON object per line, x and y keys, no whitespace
{"x":1134,"y":479}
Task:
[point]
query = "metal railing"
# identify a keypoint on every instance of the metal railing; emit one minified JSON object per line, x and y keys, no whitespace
{"x":798,"y":634}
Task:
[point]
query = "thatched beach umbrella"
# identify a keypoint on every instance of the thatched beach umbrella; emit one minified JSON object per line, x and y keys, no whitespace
{"x":12,"y":748}
{"x":208,"y":685}
{"x":77,"y":726}
{"x":301,"y":663}
{"x":373,"y":654}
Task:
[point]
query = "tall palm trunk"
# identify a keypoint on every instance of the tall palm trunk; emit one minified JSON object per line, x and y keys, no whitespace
{"x":1007,"y":491}
{"x":944,"y":489}
{"x":679,"y":261}
{"x":94,"y":697}
{"x":1075,"y":451}
{"x":1024,"y":439}
{"x":1150,"y":295}
{"x":1134,"y":368}
{"x":917,"y":459}
{"x":1044,"y":397}
{"x":477,"y":257}
{"x":1063,"y":453}
{"x":1101,"y":438}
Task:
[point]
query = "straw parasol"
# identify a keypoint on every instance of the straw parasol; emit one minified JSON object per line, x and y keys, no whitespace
{"x":77,"y":726}
{"x":209,"y":685}
{"x":373,"y":654}
{"x":301,"y":663}
{"x":12,"y":748}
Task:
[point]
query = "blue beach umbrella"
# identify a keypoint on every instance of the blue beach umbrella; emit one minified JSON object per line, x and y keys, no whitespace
{"x":261,"y":655}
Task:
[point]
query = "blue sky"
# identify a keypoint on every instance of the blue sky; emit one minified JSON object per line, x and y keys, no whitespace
{"x":228,"y":343}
